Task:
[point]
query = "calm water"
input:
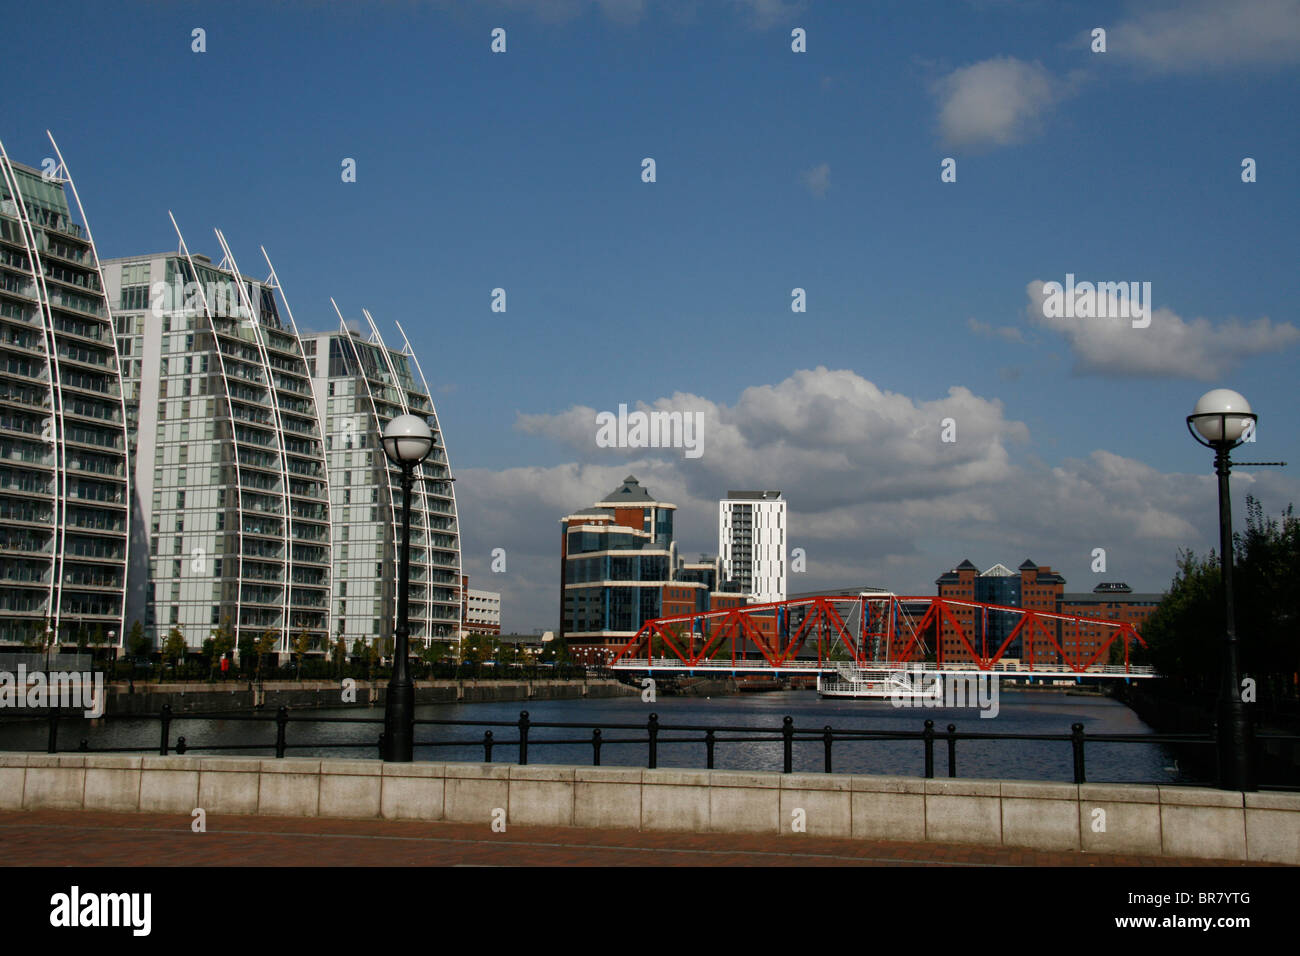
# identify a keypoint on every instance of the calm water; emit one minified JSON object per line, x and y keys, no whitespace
{"x":1020,"y":712}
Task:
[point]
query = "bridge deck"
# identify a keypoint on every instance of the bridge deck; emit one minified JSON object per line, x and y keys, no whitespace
{"x":811,"y":667}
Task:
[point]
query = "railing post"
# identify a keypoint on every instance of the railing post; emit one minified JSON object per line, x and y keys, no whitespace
{"x":487,"y":746}
{"x":281,"y":724}
{"x":928,"y":734}
{"x":380,"y":742}
{"x":595,"y":747}
{"x":165,"y":717}
{"x":52,"y":743}
{"x":180,"y":745}
{"x":827,"y":738}
{"x":787,"y":743}
{"x":952,"y":750}
{"x":84,"y":746}
{"x":1076,"y":743}
{"x":709,"y":740}
{"x":652,"y":726}
{"x":524,"y":724}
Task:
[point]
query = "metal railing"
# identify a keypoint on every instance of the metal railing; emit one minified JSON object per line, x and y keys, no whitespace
{"x":810,"y":665}
{"x":652,"y":734}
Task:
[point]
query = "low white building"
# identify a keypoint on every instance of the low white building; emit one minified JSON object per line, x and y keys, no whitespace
{"x":483,"y":612}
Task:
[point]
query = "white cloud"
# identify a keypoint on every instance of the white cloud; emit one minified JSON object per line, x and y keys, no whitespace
{"x":995,"y":102}
{"x":817,"y":179}
{"x":1008,"y":333}
{"x":1169,"y":347}
{"x":874,"y":496}
{"x":1199,"y":35}
{"x":820,"y":422}
{"x":760,"y":14}
{"x":764,"y":14}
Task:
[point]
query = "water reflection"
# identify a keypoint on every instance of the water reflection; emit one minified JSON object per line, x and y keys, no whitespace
{"x":1020,"y":712}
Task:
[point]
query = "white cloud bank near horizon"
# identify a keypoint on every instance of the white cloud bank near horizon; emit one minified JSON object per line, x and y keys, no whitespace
{"x":874,"y":496}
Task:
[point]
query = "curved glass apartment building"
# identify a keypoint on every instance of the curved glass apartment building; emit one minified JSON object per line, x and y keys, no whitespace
{"x":64,"y":478}
{"x":228,"y":452}
{"x":361,"y":384}
{"x":164,"y":425}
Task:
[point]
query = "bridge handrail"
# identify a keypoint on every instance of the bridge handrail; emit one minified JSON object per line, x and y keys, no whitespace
{"x":1000,"y":667}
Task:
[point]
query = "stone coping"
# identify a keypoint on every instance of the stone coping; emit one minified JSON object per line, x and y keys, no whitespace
{"x":1193,"y":822}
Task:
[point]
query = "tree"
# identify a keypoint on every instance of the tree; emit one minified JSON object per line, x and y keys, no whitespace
{"x":174,"y":647}
{"x":478,"y":648}
{"x":434,"y":652}
{"x":1184,"y":635}
{"x":303,"y":643}
{"x":265,"y":645}
{"x":222,"y":643}
{"x":137,"y":643}
{"x":340,"y":654}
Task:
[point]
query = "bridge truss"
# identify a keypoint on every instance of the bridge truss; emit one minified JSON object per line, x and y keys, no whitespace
{"x":824,"y":632}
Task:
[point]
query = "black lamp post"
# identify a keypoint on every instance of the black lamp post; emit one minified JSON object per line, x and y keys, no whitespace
{"x":1221,"y":418}
{"x":407,"y":441}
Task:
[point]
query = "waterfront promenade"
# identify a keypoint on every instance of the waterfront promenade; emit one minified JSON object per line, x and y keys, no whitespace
{"x":82,"y":838}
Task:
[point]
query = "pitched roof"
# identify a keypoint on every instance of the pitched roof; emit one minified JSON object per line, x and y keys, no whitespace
{"x":628,"y":492}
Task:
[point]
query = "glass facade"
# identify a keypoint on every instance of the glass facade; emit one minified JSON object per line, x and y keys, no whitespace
{"x":361,"y":385}
{"x":162,"y":422}
{"x":64,"y":481}
{"x":228,"y":454}
{"x":994,"y":627}
{"x":615,"y":573}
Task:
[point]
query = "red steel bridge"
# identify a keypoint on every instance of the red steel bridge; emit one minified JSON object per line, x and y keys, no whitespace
{"x":823,"y":634}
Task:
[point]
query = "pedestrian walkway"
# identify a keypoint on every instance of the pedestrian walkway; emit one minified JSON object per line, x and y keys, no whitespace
{"x":90,"y":838}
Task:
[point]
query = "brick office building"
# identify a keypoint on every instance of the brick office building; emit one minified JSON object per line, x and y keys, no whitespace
{"x":1038,"y":589}
{"x":1115,"y":601}
{"x":1032,"y":587}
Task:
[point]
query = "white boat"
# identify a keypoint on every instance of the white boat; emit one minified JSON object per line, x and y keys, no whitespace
{"x":892,"y":683}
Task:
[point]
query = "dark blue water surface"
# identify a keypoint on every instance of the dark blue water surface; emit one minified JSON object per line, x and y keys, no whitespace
{"x":1019,"y":712}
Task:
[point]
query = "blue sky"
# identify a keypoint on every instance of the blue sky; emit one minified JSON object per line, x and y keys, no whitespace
{"x":775,"y":170}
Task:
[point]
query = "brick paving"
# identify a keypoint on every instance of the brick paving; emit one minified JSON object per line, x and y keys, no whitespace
{"x":83,"y":838}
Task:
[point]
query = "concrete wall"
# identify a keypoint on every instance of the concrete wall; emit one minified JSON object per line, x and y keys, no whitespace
{"x":1104,"y":818}
{"x":242,"y":695}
